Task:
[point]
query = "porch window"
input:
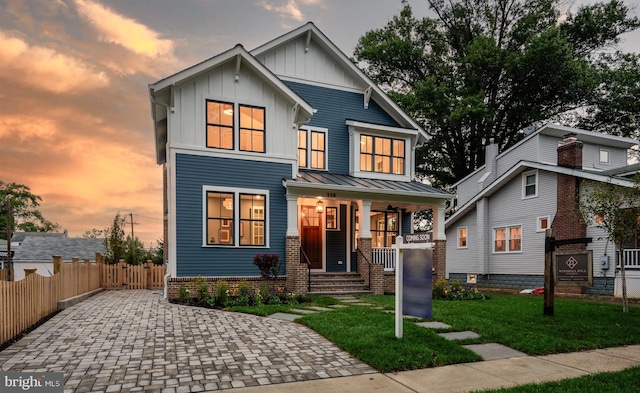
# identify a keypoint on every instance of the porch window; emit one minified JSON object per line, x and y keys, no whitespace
{"x":384,"y":228}
{"x":235,"y":217}
{"x":382,"y":155}
{"x":507,"y":239}
{"x":312,"y":148}
{"x":220,"y":125}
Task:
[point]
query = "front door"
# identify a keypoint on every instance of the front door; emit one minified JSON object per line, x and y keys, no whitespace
{"x":311,"y":236}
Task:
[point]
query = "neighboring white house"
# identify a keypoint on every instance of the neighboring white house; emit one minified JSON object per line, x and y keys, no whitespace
{"x":496,"y":236}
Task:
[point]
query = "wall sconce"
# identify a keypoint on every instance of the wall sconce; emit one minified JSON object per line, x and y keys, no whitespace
{"x":319,"y":206}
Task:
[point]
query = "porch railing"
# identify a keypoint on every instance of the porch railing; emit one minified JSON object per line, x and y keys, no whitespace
{"x":303,"y":255}
{"x":631,"y":258}
{"x":385,"y":256}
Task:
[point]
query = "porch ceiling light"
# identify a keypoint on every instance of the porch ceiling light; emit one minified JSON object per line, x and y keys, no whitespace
{"x":320,"y":206}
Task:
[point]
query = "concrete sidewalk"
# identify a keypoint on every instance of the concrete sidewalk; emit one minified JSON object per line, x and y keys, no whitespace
{"x":467,"y":377}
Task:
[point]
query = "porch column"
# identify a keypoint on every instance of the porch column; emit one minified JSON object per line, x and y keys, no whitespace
{"x":439,"y":238}
{"x":375,"y":277}
{"x":296,"y":270}
{"x":364,"y":210}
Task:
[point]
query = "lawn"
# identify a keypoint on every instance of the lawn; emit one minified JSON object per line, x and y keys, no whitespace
{"x":626,"y":381}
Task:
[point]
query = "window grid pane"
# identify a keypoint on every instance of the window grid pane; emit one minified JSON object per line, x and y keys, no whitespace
{"x":462,"y":237}
{"x":252,"y":129}
{"x":220,"y":218}
{"x":382,"y":155}
{"x":500,"y":239}
{"x":252,"y":220}
{"x":317,"y":150}
{"x":302,"y":148}
{"x":219,"y":125}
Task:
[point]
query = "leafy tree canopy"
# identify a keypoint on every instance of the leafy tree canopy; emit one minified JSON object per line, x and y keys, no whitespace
{"x":24,"y":209}
{"x":482,"y":69}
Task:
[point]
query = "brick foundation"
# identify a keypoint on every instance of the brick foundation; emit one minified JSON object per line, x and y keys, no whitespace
{"x":189,"y":283}
{"x":439,"y":260}
{"x":297,"y":271}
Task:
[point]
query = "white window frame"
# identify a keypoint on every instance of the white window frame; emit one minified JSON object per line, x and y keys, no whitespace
{"x":309,"y":130}
{"x":524,"y":184}
{"x":539,"y":227}
{"x":507,"y":240}
{"x":466,"y":238}
{"x":608,"y":154}
{"x":236,"y":215}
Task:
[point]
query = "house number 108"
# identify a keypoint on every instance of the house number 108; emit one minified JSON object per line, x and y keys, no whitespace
{"x":331,"y":194}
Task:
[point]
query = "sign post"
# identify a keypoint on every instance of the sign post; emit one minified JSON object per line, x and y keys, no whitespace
{"x":414,"y":263}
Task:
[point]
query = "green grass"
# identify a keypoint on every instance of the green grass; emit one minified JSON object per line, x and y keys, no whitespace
{"x":620,"y":382}
{"x":369,"y":335}
{"x":268,"y":309}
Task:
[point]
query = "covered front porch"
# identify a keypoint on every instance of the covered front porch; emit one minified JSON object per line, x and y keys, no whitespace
{"x":343,"y":224}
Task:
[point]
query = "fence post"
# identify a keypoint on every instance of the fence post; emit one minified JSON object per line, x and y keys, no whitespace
{"x":149,"y":273}
{"x":57,"y":264}
{"x":29,"y":271}
{"x":122,"y":273}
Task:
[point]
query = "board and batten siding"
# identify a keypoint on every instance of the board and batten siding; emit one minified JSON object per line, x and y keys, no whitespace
{"x":192,"y":173}
{"x":187,"y":121}
{"x":463,"y":260}
{"x":293,"y":60}
{"x":334,"y":107}
{"x":507,"y":208}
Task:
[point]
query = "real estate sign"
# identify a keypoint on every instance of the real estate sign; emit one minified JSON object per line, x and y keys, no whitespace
{"x":574,"y":267}
{"x":416,"y":283}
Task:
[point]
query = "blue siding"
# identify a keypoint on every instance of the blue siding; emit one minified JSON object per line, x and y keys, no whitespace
{"x":337,"y":244}
{"x":407,"y":223}
{"x":334,"y":108}
{"x":193,"y":172}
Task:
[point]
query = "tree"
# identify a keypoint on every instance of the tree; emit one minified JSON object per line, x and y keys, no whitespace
{"x":616,"y":210}
{"x":24,"y":209}
{"x":95,"y":233}
{"x":115,"y":240}
{"x":484,"y":69}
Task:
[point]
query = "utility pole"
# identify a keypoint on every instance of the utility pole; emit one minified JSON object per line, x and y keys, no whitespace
{"x":9,"y":218}
{"x":131,"y":215}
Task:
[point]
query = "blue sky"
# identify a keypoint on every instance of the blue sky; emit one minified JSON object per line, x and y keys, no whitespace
{"x":74,"y":110}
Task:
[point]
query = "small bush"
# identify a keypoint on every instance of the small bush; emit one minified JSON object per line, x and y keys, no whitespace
{"x":243,"y":289}
{"x":222,"y":293}
{"x":454,"y":290}
{"x":202,"y":290}
{"x":258,"y":299}
{"x":290,"y":298}
{"x":211,"y":301}
{"x":241,"y":301}
{"x":274,"y":299}
{"x":183,"y":295}
{"x":269,"y":265}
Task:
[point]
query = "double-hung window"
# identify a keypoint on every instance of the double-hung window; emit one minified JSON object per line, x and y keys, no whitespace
{"x":462,"y":237}
{"x":382,"y":155}
{"x":312,"y":148}
{"x":507,"y":239}
{"x":235,"y":217}
{"x":530,"y":184}
{"x":225,"y":123}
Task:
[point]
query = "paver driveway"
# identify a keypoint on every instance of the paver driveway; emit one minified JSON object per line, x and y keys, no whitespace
{"x":137,"y":341}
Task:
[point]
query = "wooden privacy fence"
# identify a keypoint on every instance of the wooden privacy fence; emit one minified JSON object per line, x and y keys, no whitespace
{"x":25,"y":302}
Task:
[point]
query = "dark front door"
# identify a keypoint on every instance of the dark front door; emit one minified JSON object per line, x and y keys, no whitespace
{"x":311,"y":236}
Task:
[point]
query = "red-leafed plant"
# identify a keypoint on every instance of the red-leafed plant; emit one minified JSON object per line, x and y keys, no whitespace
{"x":269,"y":265}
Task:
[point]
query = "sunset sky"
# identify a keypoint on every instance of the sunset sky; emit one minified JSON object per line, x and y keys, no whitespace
{"x":75,"y":121}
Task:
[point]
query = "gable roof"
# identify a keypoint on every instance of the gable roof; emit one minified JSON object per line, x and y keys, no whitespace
{"x":20,"y":236}
{"x":44,"y":248}
{"x":522,"y":166}
{"x":310,"y":31}
{"x":161,"y":92}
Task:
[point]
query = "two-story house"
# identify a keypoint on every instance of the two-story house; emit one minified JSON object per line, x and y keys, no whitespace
{"x":497,"y":234}
{"x":287,"y":149}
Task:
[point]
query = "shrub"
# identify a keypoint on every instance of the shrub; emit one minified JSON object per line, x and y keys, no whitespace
{"x":258,"y":298}
{"x":183,"y":295}
{"x":222,"y":293}
{"x":244,"y":288}
{"x":454,"y":290}
{"x":274,"y":299}
{"x":269,"y":265}
{"x":202,"y":290}
{"x":290,"y":298}
{"x":211,"y":301}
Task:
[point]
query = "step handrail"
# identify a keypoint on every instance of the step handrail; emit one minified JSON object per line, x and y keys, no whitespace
{"x":368,"y":264}
{"x":302,"y":253}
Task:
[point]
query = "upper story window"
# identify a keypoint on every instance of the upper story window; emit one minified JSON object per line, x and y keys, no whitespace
{"x":544,"y":223}
{"x":530,"y":184}
{"x":312,"y":148}
{"x":462,"y":237}
{"x":604,"y":156}
{"x":221,"y":126}
{"x":382,"y":155}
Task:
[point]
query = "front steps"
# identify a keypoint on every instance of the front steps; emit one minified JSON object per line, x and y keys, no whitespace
{"x":338,"y":284}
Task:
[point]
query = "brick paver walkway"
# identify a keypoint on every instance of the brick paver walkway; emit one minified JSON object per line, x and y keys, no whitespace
{"x":121,"y":341}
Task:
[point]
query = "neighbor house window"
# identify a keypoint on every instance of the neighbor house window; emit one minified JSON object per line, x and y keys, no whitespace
{"x":312,"y":148}
{"x":235,"y":217}
{"x":383,"y":155}
{"x":384,"y":228}
{"x":252,"y":128}
{"x":544,"y":223}
{"x":219,"y":124}
{"x":604,"y":156}
{"x":530,"y":184}
{"x":462,"y":237}
{"x":507,"y":239}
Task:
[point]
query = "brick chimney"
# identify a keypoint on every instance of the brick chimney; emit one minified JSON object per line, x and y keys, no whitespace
{"x":568,"y":222}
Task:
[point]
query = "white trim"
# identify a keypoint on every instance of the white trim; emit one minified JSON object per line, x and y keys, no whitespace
{"x":381,"y":130}
{"x":507,"y":239}
{"x":354,"y":152}
{"x":234,"y":154}
{"x":236,"y":214}
{"x":466,"y":238}
{"x":539,"y":227}
{"x":525,"y":175}
{"x":171,"y":196}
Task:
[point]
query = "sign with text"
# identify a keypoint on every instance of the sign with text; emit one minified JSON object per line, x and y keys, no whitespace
{"x":574,"y":267}
{"x":45,"y":382}
{"x":420,"y":237}
{"x":416,"y":282}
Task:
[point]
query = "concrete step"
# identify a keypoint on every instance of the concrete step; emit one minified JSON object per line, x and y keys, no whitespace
{"x":335,"y":293}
